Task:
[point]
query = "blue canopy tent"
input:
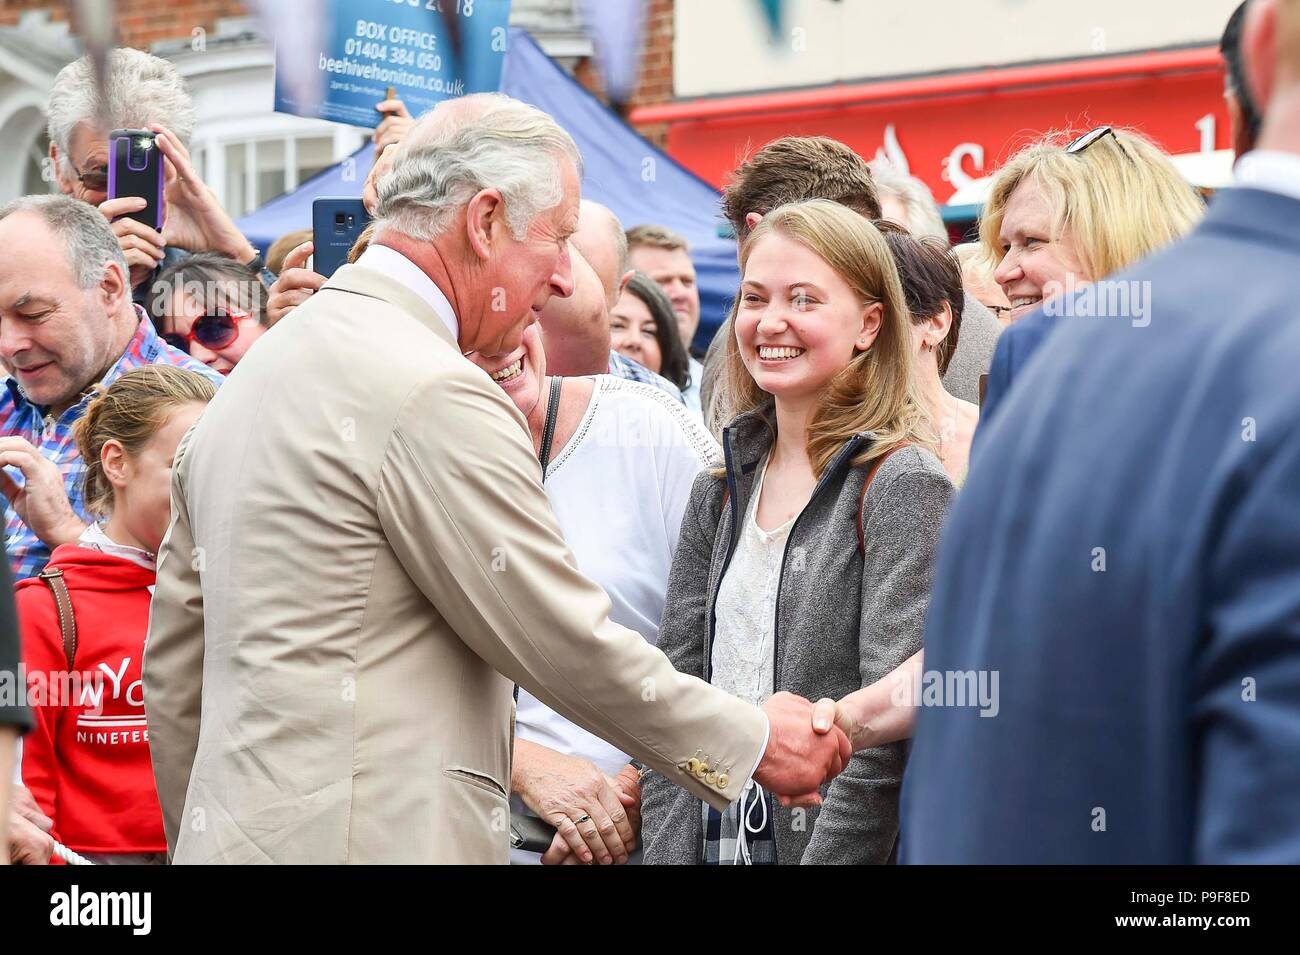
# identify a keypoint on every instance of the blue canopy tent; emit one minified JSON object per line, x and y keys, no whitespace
{"x":637,"y":180}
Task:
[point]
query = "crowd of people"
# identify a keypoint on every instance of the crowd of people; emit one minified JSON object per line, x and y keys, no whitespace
{"x":484,"y":537}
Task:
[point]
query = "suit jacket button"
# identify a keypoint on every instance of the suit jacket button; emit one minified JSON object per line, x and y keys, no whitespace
{"x":712,"y":777}
{"x":701,"y":770}
{"x":693,"y":766}
{"x":723,"y":780}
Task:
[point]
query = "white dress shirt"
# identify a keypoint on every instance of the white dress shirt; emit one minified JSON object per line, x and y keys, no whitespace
{"x":390,"y":262}
{"x":1270,"y":170}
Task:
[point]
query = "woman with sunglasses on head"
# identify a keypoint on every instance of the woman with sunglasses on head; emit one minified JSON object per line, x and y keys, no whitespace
{"x":86,"y":761}
{"x":211,"y":307}
{"x":1065,"y":213}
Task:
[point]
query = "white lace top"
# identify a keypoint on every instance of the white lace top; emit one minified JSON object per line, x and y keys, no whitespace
{"x":744,"y":634}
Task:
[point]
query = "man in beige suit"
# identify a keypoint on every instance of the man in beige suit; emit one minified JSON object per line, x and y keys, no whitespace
{"x":362,"y":559}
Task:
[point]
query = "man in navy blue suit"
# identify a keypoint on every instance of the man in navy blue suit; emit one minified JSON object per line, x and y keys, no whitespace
{"x":1125,"y":555}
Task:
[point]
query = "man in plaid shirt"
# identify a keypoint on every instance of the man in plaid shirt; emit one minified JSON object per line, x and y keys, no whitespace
{"x":67,"y":325}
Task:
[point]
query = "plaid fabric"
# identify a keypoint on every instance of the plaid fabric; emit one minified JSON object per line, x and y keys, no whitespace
{"x":620,"y":366}
{"x":722,"y":830}
{"x":18,"y":416}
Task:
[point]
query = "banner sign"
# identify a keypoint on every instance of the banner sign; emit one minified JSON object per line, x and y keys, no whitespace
{"x":426,"y":50}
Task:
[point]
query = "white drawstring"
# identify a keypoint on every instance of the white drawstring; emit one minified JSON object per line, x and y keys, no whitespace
{"x":742,"y":843}
{"x":68,"y":856}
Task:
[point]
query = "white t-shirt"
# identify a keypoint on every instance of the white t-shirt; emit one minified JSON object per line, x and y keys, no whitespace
{"x":619,"y":488}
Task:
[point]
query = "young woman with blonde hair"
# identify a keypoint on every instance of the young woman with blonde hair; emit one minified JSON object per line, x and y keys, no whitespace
{"x":803,"y":564}
{"x":86,"y":761}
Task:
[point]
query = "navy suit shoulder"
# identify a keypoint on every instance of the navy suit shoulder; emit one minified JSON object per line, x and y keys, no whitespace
{"x":1125,"y":555}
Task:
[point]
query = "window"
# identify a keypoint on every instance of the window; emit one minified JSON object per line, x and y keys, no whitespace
{"x":258,"y":170}
{"x":236,"y":198}
{"x":314,"y":155}
{"x":270,"y":170}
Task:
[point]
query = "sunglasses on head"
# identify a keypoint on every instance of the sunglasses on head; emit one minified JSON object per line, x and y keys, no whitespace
{"x":1091,"y":137}
{"x":213,"y":332}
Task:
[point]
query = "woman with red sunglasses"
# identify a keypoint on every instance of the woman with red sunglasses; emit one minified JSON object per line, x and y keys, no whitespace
{"x":211,"y":307}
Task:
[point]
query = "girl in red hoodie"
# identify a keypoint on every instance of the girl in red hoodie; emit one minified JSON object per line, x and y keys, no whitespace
{"x":86,"y":761}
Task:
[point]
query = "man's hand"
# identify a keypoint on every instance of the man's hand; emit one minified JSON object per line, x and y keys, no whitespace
{"x":41,"y":501}
{"x":383,"y":163}
{"x":798,"y":760}
{"x":397,"y":122}
{"x":195,"y":220}
{"x":828,"y":713}
{"x":294,"y":285}
{"x":142,"y":245}
{"x":29,"y":842}
{"x":580,"y":801}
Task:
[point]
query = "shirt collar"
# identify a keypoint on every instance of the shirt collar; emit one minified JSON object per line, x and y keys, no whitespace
{"x":398,"y":267}
{"x":1270,"y":170}
{"x":96,"y":538}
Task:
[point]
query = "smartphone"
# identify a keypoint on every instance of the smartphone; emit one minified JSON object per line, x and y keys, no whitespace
{"x":135,"y":168}
{"x":335,"y":227}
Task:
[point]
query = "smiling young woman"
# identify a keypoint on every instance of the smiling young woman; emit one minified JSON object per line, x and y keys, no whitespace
{"x":804,"y":562}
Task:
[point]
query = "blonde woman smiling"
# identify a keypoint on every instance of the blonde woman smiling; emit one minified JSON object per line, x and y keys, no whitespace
{"x":803,"y":564}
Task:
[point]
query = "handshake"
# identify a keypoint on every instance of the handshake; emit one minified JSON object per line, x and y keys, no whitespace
{"x":807,"y":747}
{"x":809,"y":744}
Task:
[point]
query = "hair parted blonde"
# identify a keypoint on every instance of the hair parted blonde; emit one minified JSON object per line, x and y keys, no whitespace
{"x":877,"y":391}
{"x":130,"y":411}
{"x":1121,"y":198}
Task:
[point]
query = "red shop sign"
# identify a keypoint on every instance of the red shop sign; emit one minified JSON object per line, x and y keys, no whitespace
{"x":950,"y":129}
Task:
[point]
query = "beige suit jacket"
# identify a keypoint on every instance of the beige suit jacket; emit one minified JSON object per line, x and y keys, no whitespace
{"x":361,"y":562}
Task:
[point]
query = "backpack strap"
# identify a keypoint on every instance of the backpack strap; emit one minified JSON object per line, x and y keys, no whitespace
{"x":862,"y":500}
{"x":53,"y":578}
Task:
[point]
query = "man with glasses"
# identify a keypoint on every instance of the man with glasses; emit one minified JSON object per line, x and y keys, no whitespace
{"x":141,"y":92}
{"x":67,"y":325}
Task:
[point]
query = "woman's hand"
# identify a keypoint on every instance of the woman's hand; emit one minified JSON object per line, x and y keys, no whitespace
{"x":628,"y":784}
{"x":586,"y":807}
{"x":879,"y":713}
{"x":397,"y":123}
{"x":195,"y":220}
{"x":294,"y":285}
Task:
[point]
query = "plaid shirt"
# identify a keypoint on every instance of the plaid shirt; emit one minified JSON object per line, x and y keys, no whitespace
{"x":620,"y":366}
{"x":18,"y":416}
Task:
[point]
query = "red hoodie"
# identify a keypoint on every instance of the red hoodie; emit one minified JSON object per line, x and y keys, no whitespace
{"x":86,"y":761}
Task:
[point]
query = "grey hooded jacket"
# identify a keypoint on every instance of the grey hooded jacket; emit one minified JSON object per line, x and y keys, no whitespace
{"x":845,"y":618}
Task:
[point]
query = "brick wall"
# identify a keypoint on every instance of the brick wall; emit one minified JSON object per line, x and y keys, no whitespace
{"x":655,"y":84}
{"x":141,"y":23}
